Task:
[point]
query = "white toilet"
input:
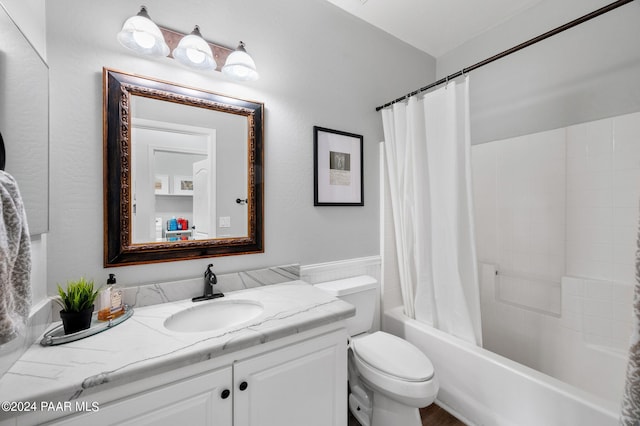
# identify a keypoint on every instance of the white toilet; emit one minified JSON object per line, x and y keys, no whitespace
{"x":389,"y":378}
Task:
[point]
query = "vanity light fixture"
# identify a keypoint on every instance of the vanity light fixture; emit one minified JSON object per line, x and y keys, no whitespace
{"x":140,"y":34}
{"x":194,"y":52}
{"x":240,"y":65}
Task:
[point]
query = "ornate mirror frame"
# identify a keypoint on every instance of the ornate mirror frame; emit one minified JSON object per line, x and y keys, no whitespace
{"x":118,"y":87}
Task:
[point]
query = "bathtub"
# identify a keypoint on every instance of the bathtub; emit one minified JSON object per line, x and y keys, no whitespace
{"x":483,"y":388}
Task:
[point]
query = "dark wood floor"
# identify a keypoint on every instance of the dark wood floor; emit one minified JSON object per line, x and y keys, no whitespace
{"x":431,"y":416}
{"x":436,"y":416}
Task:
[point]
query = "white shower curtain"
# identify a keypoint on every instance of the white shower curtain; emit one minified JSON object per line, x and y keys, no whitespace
{"x":427,"y":150}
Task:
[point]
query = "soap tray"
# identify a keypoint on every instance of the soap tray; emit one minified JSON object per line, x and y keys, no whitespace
{"x":56,"y":335}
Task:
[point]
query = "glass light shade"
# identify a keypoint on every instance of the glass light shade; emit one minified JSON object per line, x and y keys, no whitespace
{"x":194,"y":52}
{"x":140,"y":34}
{"x":240,"y":65}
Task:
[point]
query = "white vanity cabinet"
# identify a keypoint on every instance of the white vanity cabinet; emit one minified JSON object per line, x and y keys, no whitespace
{"x":197,"y":401}
{"x":302,"y":383}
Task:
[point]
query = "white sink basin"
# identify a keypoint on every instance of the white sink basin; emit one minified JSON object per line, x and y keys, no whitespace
{"x":214,"y":315}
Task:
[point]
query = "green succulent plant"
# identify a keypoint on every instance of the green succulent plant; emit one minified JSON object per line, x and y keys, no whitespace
{"x":79,"y":296}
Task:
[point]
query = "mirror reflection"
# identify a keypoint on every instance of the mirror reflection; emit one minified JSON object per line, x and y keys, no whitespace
{"x":189,"y":168}
{"x":183,"y":172}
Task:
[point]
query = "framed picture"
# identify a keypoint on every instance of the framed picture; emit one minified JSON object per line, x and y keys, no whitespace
{"x":337,"y":165}
{"x":161,"y":184}
{"x":183,"y":185}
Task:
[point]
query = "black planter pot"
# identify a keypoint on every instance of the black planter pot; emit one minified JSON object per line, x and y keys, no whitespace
{"x":76,"y":321}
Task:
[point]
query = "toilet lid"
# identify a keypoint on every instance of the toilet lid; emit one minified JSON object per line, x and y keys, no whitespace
{"x":393,"y":356}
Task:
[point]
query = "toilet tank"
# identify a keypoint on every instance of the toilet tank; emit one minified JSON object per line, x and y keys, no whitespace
{"x":359,"y":291}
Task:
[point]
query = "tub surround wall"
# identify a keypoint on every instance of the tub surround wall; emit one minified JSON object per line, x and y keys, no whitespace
{"x":561,"y":203}
{"x":603,"y":189}
{"x":556,"y":217}
{"x":584,"y":346}
{"x":519,"y":207}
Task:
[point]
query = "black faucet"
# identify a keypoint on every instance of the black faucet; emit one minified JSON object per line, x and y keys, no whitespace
{"x":210,"y":280}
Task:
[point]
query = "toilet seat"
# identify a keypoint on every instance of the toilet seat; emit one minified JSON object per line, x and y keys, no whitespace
{"x":395,"y":368}
{"x":393,"y":356}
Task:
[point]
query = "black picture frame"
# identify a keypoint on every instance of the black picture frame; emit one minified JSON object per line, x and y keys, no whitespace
{"x":338,"y":168}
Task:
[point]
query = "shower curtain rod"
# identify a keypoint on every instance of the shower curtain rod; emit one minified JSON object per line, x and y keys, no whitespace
{"x":514,"y":49}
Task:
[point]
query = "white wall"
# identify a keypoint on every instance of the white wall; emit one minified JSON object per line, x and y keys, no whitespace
{"x":318,"y":66}
{"x":583,"y":74}
{"x":30,"y":17}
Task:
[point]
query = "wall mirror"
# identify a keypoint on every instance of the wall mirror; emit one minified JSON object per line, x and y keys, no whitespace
{"x":183,"y":174}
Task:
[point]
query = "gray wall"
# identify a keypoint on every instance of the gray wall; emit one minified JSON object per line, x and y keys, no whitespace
{"x":318,"y":66}
{"x":29,"y":15}
{"x":586,"y":73}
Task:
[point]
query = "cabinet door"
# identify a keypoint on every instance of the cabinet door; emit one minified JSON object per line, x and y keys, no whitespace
{"x":303,"y":384}
{"x":193,"y":402}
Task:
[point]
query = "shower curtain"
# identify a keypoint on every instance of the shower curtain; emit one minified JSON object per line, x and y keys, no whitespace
{"x":427,"y":149}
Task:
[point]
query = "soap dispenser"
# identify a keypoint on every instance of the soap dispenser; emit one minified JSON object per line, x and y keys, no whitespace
{"x":111,"y":301}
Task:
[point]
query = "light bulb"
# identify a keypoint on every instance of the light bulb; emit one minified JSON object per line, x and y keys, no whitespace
{"x":144,"y":39}
{"x":240,"y":65}
{"x":195,"y":56}
{"x":140,"y":34}
{"x":194,"y":52}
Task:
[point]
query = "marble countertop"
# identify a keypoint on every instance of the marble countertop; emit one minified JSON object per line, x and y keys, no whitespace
{"x":141,"y":346}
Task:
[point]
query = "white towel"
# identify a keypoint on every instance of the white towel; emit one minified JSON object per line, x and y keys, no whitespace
{"x":15,"y":261}
{"x":630,"y":413}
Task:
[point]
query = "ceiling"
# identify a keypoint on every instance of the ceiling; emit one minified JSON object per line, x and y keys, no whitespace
{"x":435,"y":26}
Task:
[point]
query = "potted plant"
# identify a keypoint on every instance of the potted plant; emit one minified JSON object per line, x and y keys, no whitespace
{"x":77,"y":305}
